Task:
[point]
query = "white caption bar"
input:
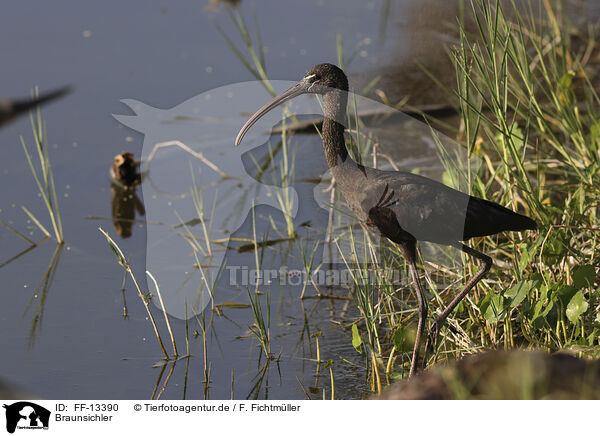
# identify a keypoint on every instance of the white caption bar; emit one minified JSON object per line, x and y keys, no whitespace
{"x":294,"y":417}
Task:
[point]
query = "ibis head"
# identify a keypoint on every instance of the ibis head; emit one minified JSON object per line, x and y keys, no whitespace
{"x":321,"y":79}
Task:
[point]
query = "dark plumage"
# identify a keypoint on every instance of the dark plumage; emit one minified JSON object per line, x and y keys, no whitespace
{"x":124,"y":170}
{"x":401,"y":206}
{"x":10,"y":109}
{"x":124,"y":201}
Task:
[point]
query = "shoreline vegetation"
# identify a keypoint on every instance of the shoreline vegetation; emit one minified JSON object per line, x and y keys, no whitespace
{"x":528,"y":105}
{"x":526,"y":95}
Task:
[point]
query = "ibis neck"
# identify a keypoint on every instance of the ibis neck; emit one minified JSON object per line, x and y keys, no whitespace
{"x":334,"y":109}
{"x":333,"y":142}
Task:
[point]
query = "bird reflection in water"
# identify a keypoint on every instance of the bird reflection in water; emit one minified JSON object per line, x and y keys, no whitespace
{"x":125,"y":177}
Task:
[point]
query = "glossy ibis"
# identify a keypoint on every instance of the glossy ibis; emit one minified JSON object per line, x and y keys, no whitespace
{"x":401,"y":206}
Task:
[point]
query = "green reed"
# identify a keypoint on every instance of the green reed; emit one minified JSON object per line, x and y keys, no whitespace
{"x":42,"y":172}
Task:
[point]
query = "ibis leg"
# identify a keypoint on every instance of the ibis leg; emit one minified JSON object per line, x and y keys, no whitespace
{"x":422,"y":317}
{"x":486,"y":264}
{"x":409,"y":251}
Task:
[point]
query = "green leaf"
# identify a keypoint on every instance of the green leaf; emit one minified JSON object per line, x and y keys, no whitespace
{"x":524,"y":259}
{"x":516,"y":135}
{"x":584,"y":276}
{"x":554,"y":248}
{"x":565,"y":293}
{"x":447,"y":179}
{"x":356,"y":339}
{"x":517,"y":293}
{"x":540,"y":314}
{"x":595,"y":132}
{"x":401,"y":340}
{"x":566,"y":80}
{"x":492,"y":307}
{"x":537,"y":309}
{"x":576,"y":307}
{"x":114,"y":250}
{"x":233,"y":305}
{"x":591,"y":339}
{"x":543,"y":292}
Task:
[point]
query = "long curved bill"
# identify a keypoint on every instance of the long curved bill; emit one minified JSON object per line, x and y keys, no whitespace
{"x":299,"y":88}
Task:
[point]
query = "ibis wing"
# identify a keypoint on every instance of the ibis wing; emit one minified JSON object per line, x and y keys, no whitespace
{"x":404,"y":206}
{"x":407,"y":206}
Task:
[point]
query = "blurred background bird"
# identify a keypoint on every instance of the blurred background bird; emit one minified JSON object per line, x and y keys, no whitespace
{"x":10,"y":109}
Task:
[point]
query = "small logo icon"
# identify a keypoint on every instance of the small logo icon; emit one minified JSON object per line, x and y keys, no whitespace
{"x":26,"y":415}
